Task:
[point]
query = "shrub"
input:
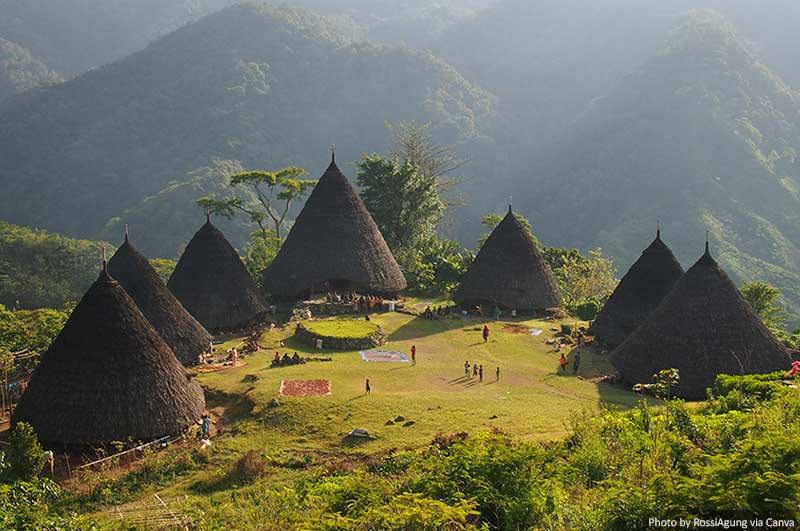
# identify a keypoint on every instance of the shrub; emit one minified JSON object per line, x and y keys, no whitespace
{"x":250,"y":466}
{"x":25,"y":454}
{"x":587,"y":310}
{"x":567,"y":329}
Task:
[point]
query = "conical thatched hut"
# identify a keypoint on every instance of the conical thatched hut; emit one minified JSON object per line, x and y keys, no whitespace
{"x":185,"y":336}
{"x":702,"y":328}
{"x":108,"y":376}
{"x":334,"y":244}
{"x":638,"y":294}
{"x":212,"y":283}
{"x":509,"y":272}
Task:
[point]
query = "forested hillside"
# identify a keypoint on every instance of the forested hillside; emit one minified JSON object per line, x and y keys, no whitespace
{"x":264,"y":86}
{"x":40,"y":269}
{"x":20,"y":71}
{"x":703,"y":136}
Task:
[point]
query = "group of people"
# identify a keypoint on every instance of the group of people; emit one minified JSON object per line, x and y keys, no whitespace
{"x":286,"y":360}
{"x":361,"y":303}
{"x":475,"y":370}
{"x":438,"y":311}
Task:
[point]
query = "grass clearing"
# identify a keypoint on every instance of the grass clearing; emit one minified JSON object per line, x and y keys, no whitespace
{"x":341,"y":327}
{"x":306,"y":435}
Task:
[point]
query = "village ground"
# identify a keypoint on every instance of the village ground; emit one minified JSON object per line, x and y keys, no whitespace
{"x":307,"y":435}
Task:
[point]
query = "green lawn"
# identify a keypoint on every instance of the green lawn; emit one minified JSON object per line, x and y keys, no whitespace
{"x":341,"y":327}
{"x":530,"y":399}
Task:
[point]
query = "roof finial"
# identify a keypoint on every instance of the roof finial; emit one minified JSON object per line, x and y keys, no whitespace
{"x":509,"y":203}
{"x":105,"y":262}
{"x":706,"y":241}
{"x":208,"y":214}
{"x":333,"y":153}
{"x":126,"y":233}
{"x":658,"y":229}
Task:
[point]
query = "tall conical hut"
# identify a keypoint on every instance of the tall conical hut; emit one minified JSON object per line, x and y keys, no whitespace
{"x":211,"y":282}
{"x":185,"y":336}
{"x":334,"y":244}
{"x":638,"y":294}
{"x":509,"y":272}
{"x":108,"y":376}
{"x":702,"y":328}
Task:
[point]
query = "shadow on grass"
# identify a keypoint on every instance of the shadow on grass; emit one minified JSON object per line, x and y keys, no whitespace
{"x":420,"y":327}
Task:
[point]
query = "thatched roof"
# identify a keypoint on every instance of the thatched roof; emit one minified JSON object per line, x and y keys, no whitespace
{"x":638,"y":294}
{"x":212,"y":283}
{"x":702,"y":328}
{"x":334,"y":240}
{"x":108,"y":376}
{"x":509,"y":272}
{"x":185,"y":336}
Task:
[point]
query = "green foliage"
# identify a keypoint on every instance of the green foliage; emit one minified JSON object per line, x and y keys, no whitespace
{"x":26,"y":506}
{"x":403,"y":201}
{"x":31,"y":330}
{"x":274,"y":193}
{"x":25,"y":454}
{"x":438,"y":267}
{"x":588,"y":309}
{"x":582,"y":279}
{"x":763,"y":298}
{"x":663,"y":383}
{"x":259,"y":253}
{"x":41,"y":269}
{"x":164,"y":267}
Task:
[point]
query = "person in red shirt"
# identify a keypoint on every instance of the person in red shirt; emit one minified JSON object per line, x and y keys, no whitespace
{"x":485,"y":333}
{"x":414,"y":354}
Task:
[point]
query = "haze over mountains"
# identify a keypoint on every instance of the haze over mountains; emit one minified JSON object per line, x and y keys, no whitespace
{"x":599,"y":118}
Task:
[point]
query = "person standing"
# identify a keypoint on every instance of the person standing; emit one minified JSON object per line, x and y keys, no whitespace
{"x":205,"y":426}
{"x":480,"y":373}
{"x":475,"y":369}
{"x":414,"y":354}
{"x":485,"y":333}
{"x":466,"y":369}
{"x":563,"y":362}
{"x":367,"y":387}
{"x":497,"y":373}
{"x":576,"y":361}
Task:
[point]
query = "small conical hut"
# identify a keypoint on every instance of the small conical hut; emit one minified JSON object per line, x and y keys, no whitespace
{"x":702,"y":328}
{"x":108,"y":376}
{"x":185,"y":336}
{"x":334,"y":244}
{"x":212,"y":283}
{"x":509,"y":272}
{"x":638,"y":294}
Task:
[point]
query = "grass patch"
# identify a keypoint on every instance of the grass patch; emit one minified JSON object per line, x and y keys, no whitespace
{"x":341,"y":328}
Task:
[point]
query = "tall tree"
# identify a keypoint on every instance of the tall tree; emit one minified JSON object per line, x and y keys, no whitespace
{"x":262,"y":196}
{"x":404,"y":201}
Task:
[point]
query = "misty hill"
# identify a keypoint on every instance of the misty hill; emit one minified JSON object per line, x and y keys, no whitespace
{"x":260,"y":85}
{"x":20,"y":71}
{"x":704,"y":135}
{"x":74,"y":35}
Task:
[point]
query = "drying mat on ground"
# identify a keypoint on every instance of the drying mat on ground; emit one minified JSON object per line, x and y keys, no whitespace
{"x":516,"y":329}
{"x":305,"y":388}
{"x":383,"y":355}
{"x":215,"y":367}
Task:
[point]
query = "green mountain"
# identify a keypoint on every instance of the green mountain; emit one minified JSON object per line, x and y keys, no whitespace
{"x":20,"y":71}
{"x":264,"y":86}
{"x":703,"y":136}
